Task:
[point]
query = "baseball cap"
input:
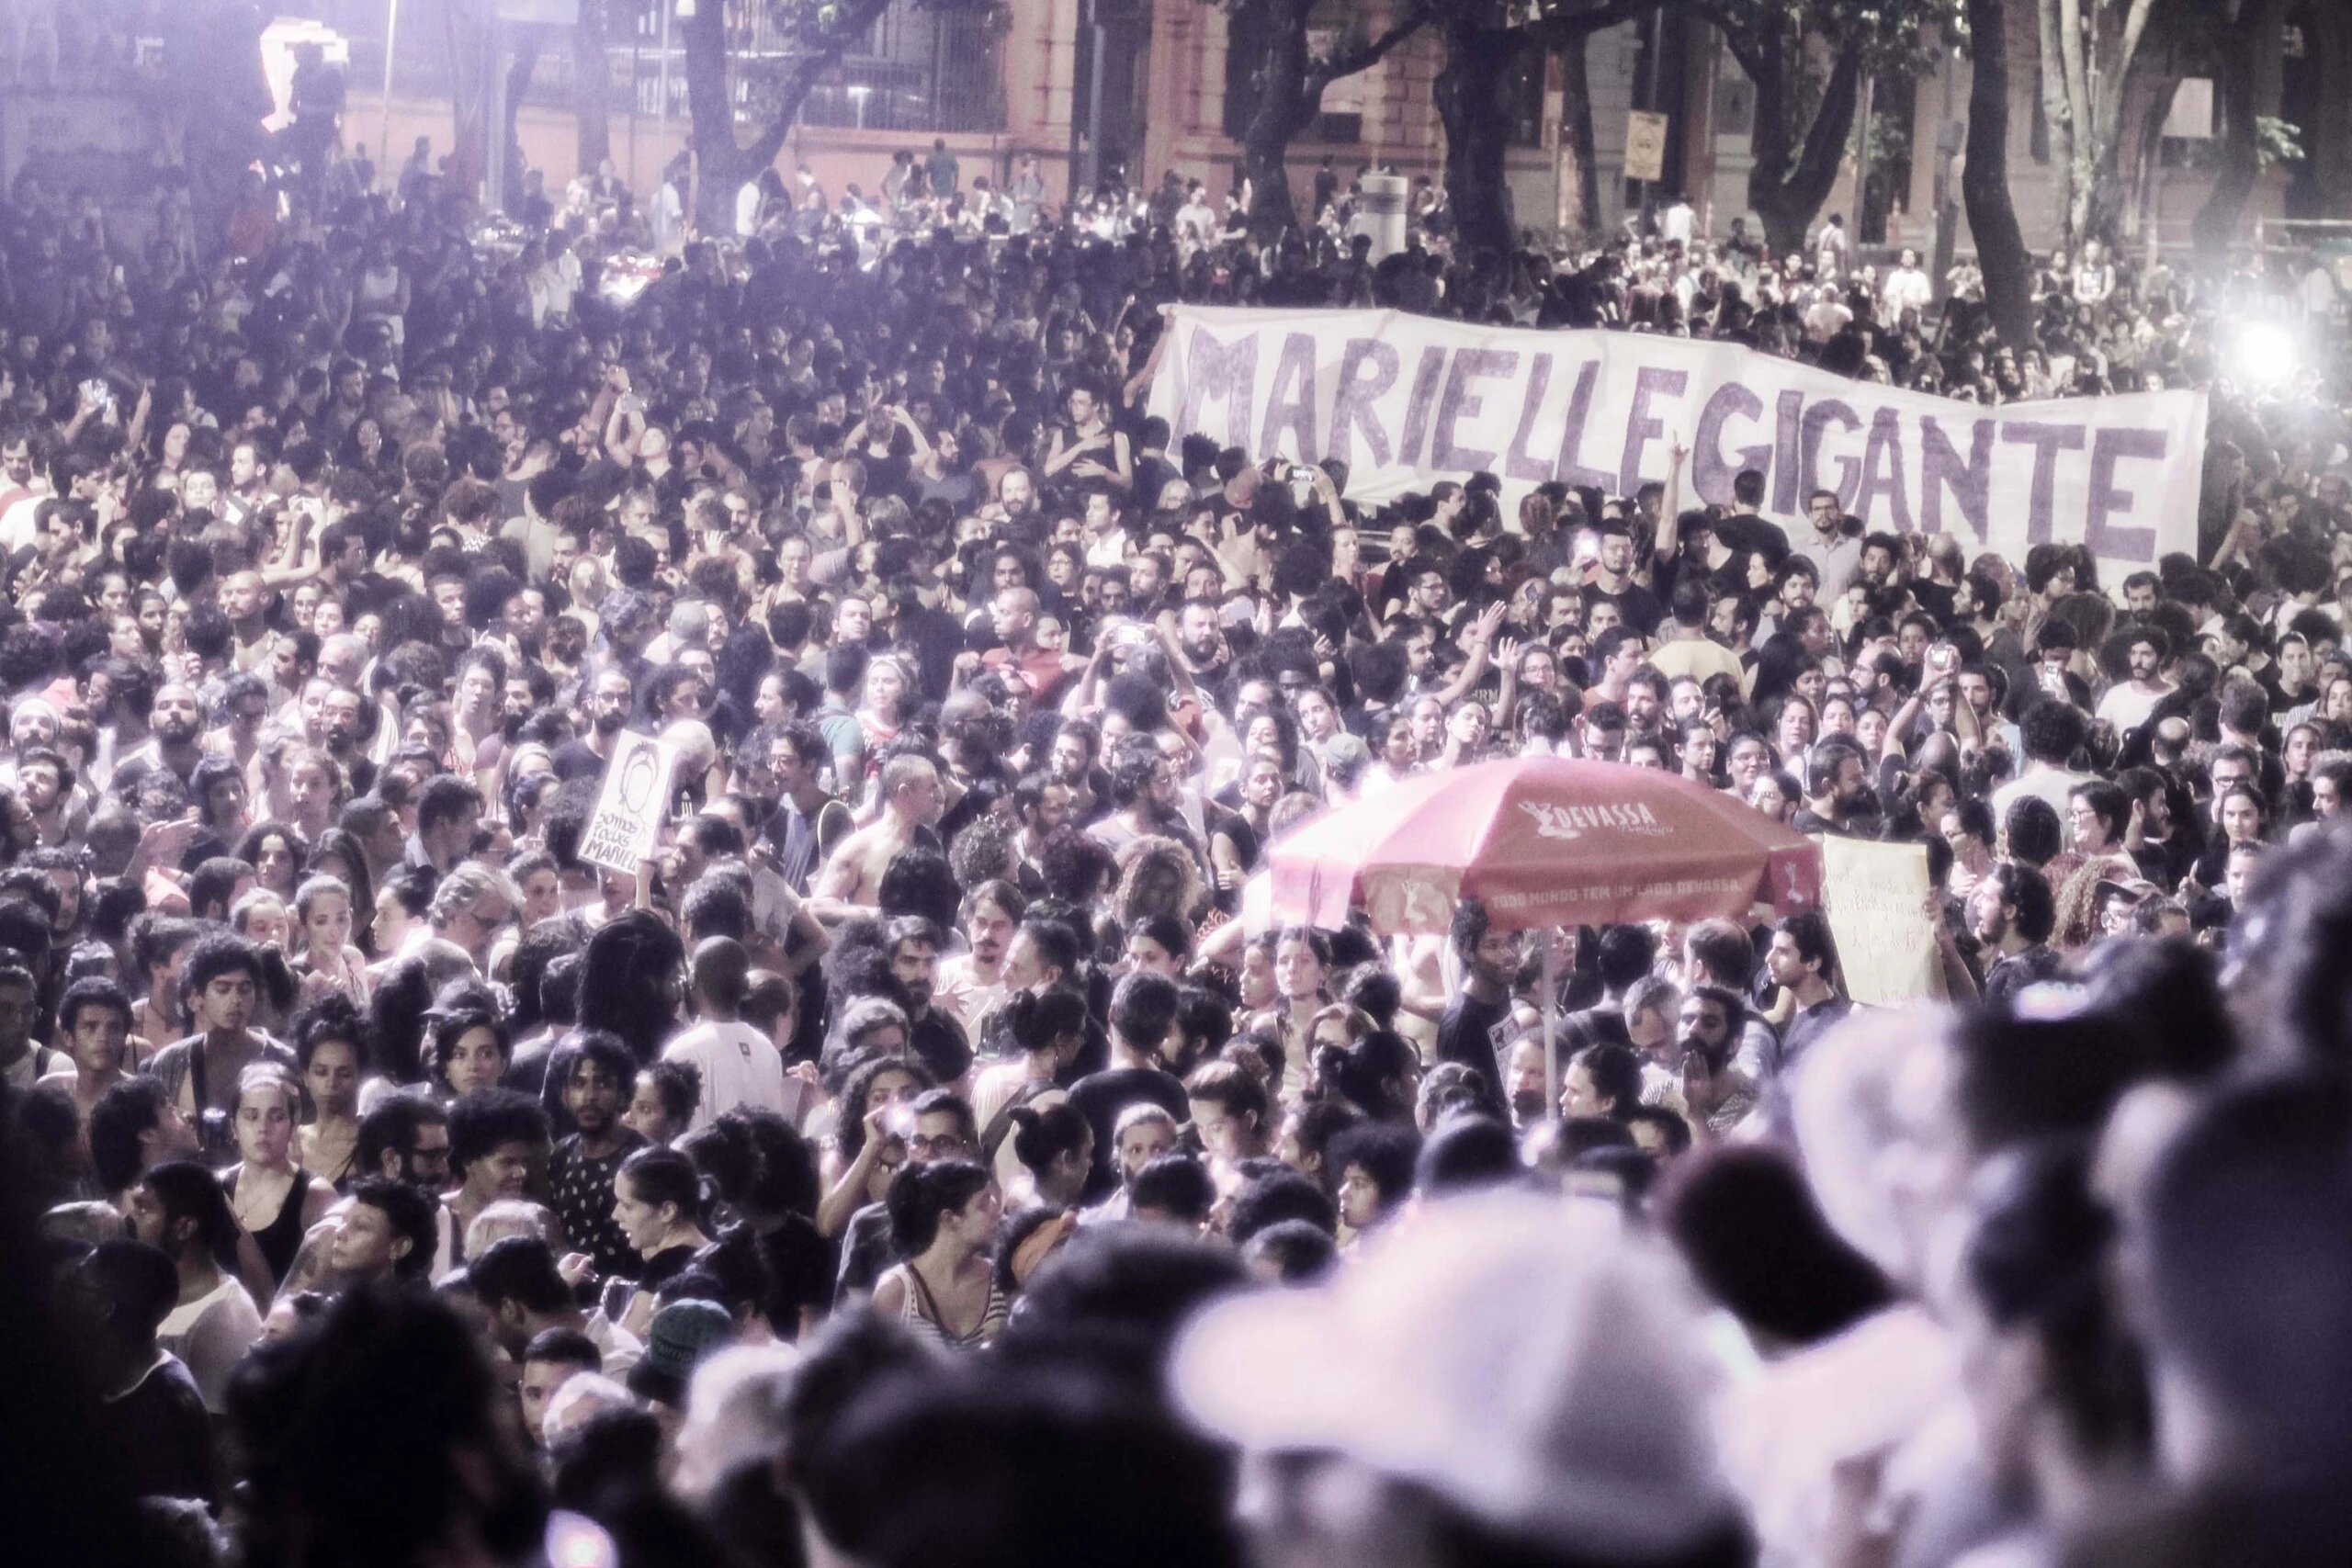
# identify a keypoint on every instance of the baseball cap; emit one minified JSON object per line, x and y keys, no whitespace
{"x":1521,"y":1357}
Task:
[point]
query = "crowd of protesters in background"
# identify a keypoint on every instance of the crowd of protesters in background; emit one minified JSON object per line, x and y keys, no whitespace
{"x":930,"y":1154}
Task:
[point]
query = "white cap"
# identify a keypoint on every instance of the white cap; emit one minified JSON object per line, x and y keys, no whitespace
{"x":1518,"y":1354}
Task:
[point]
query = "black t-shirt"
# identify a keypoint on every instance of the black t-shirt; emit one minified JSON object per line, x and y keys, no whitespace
{"x":1099,"y":1096}
{"x":867,"y":1253}
{"x":1743,"y":531}
{"x":800,"y":1273}
{"x":159,"y":1435}
{"x":1637,"y":606}
{"x":1467,"y":1035}
{"x":663,"y":1267}
{"x":583,"y":1190}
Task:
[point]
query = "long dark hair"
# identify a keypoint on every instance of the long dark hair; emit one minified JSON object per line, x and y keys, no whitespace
{"x":626,"y":978}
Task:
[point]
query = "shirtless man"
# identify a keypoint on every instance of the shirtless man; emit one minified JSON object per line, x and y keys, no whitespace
{"x":851,"y":881}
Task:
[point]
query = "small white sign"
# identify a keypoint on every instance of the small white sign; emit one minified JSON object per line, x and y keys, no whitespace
{"x":626,"y":826}
{"x":2192,"y":110}
{"x":1644,"y":145}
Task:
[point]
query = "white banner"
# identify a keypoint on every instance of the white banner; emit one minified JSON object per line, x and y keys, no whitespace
{"x":1407,"y":401}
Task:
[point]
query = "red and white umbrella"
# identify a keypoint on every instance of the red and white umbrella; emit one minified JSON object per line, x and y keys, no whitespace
{"x":1545,"y":841}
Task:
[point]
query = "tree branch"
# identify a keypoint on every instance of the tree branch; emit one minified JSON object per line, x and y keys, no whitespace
{"x":2070,"y":52}
{"x":1832,"y":121}
{"x":1322,"y":72}
{"x":1558,"y":28}
{"x":2110,"y":107}
{"x":1735,"y":39}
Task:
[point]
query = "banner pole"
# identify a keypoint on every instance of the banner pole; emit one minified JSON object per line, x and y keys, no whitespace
{"x":1551,"y":1026}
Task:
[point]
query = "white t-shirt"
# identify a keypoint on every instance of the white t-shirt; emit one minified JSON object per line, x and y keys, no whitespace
{"x":2053,"y":785}
{"x":740,"y":1065}
{"x":211,"y":1335}
{"x":2126,"y":706}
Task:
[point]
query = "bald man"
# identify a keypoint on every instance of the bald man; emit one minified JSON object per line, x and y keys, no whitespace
{"x":1013,"y":614}
{"x":851,"y":882}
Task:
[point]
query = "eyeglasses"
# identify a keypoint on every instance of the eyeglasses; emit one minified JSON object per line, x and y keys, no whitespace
{"x":944,"y":1146}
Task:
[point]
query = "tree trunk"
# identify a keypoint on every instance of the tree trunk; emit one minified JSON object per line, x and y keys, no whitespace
{"x":2247,"y":85}
{"x":2151,"y":157}
{"x":592,"y":81}
{"x":1984,"y":180}
{"x":529,"y":41}
{"x":1788,"y":183}
{"x":720,"y":163}
{"x":2057,"y":121}
{"x":1282,"y":112}
{"x":1476,"y":134}
{"x":1578,"y":160}
{"x":472,"y":61}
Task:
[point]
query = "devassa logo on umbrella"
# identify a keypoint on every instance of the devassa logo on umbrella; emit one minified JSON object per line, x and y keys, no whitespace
{"x":1555,"y":821}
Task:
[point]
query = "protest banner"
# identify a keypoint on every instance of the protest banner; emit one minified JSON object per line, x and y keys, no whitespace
{"x":627,"y":825}
{"x":1407,"y":401}
{"x":1876,"y":897}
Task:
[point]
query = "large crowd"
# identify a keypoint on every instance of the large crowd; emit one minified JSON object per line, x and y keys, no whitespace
{"x":932,"y":1154}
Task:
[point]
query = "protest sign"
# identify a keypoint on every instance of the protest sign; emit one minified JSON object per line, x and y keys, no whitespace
{"x":627,"y":825}
{"x":1407,"y":401}
{"x":1644,"y":145}
{"x":1876,"y":897}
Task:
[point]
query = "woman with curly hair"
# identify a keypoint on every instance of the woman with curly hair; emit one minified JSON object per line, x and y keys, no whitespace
{"x":1157,"y":877}
{"x":277,"y":854}
{"x":331,"y":1047}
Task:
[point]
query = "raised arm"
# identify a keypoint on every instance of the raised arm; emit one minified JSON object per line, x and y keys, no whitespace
{"x":1482,"y":636}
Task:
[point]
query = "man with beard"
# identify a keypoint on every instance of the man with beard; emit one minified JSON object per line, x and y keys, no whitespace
{"x":342,"y":718}
{"x":1524,"y":1082}
{"x":406,"y":1137}
{"x":1070,"y":763}
{"x":1836,"y":792}
{"x":1718,"y":1095}
{"x":1200,"y":642}
{"x":611,"y":697}
{"x":2129,"y":704}
{"x":600,"y":1072}
{"x":175,"y":729}
{"x":1044,"y":803}
{"x":971,"y":984}
{"x":133,"y":1128}
{"x":2012,"y":914}
{"x":934,"y":1036}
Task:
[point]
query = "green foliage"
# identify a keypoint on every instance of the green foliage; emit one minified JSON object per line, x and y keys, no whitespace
{"x":2277,"y":141}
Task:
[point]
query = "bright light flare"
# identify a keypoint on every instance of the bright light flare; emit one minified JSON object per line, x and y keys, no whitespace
{"x":2264,"y":353}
